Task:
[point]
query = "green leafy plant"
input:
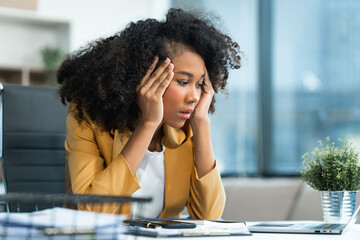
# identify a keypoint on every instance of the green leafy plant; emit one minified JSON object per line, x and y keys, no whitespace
{"x":332,"y":168}
{"x":52,"y":58}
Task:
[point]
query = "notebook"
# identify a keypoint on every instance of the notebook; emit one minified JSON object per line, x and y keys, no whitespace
{"x":304,"y":227}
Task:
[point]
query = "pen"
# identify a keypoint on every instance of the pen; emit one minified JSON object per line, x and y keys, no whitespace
{"x":152,"y":225}
{"x":140,"y":223}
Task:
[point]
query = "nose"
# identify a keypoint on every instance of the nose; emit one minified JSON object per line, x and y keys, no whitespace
{"x":193,"y":95}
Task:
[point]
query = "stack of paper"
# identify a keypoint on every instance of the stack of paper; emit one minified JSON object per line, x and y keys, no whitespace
{"x":62,"y":223}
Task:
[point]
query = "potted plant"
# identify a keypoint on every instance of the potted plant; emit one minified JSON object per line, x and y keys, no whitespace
{"x":335,"y":172}
{"x":52,"y":58}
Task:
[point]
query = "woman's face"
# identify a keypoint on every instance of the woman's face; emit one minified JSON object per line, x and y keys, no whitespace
{"x":184,"y":91}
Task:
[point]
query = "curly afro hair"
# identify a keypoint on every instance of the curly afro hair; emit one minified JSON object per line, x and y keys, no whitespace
{"x":101,"y":79}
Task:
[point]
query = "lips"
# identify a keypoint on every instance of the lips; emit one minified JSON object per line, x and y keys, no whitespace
{"x":186,"y":113}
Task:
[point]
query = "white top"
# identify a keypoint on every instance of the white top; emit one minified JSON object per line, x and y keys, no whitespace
{"x":151,"y":175}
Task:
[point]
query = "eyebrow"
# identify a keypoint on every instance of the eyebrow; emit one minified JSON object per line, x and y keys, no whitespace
{"x":188,"y":74}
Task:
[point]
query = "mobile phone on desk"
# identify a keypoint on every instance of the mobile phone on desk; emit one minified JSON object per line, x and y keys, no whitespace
{"x":158,"y":223}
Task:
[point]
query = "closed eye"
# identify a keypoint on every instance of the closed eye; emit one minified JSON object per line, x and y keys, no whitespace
{"x":181,"y":82}
{"x":200,"y":85}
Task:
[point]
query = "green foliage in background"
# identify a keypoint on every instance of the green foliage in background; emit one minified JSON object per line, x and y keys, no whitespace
{"x":332,"y":168}
{"x":52,"y":58}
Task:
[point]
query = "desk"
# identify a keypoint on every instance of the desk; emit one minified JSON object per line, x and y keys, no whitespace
{"x":352,"y":234}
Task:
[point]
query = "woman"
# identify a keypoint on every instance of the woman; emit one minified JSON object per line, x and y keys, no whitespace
{"x":138,"y":121}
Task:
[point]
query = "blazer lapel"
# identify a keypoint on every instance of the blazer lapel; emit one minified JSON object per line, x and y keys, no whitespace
{"x":174,"y":137}
{"x":175,"y":164}
{"x":120,"y":140}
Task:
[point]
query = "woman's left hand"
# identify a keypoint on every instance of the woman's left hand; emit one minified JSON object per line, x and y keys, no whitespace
{"x":200,"y":124}
{"x":201,"y":111}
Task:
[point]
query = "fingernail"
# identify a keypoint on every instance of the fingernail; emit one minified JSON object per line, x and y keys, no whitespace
{"x":171,"y":66}
{"x":156,"y":58}
{"x":167,"y":60}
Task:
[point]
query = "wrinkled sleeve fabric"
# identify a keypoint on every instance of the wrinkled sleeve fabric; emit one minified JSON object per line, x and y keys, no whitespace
{"x":207,"y":195}
{"x":88,"y":172}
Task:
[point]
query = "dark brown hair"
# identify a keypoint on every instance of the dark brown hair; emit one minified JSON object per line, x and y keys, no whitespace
{"x":101,"y":79}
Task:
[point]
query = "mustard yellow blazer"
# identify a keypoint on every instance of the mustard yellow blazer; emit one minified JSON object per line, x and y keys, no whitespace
{"x":94,"y":165}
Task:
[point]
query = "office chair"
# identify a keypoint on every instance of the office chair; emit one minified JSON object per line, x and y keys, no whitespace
{"x":32,"y":139}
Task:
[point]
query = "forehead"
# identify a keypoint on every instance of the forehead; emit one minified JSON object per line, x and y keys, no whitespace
{"x":189,"y":61}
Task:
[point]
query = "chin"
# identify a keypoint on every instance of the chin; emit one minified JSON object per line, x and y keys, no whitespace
{"x":177,"y":124}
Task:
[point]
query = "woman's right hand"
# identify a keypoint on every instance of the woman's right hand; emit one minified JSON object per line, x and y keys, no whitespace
{"x":151,"y":90}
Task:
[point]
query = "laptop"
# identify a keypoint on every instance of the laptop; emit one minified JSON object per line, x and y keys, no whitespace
{"x":304,"y":227}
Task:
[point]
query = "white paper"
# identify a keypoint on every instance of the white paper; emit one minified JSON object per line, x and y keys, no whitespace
{"x":62,"y":218}
{"x":200,"y":230}
{"x":30,"y":225}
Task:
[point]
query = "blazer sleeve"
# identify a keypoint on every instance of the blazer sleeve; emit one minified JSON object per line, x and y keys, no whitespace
{"x":207,"y":195}
{"x":87,"y":169}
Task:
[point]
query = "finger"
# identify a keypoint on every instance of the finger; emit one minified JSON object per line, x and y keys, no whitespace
{"x":163,"y":77}
{"x":149,"y":71}
{"x":207,"y":78}
{"x":164,"y":84}
{"x":207,"y":83}
{"x":156,"y":74}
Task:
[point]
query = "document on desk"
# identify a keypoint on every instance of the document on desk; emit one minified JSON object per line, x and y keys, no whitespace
{"x":60,"y":221}
{"x":18,"y":232}
{"x":61,"y":218}
{"x":215,"y":223}
{"x":203,"y":228}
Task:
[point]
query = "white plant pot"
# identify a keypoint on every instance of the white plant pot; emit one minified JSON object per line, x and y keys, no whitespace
{"x":338,"y":206}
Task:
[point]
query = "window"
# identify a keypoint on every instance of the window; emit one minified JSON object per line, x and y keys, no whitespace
{"x":300,"y":82}
{"x":315,"y":77}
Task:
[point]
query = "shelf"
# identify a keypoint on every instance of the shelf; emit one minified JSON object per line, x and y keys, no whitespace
{"x":22,"y":75}
{"x":23,"y":34}
{"x":30,"y":17}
